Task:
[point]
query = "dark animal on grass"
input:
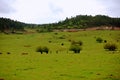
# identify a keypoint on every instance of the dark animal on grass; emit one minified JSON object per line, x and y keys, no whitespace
{"x":0,"y":53}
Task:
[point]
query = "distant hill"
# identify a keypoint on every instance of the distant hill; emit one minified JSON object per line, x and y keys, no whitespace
{"x":84,"y":21}
{"x":77,"y":22}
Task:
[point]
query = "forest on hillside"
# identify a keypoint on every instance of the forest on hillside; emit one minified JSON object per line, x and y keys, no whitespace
{"x":77,"y":22}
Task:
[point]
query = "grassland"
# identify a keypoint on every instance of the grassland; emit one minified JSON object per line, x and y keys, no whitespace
{"x":93,"y":62}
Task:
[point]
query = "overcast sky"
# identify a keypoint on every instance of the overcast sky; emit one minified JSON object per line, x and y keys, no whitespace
{"x":48,"y":11}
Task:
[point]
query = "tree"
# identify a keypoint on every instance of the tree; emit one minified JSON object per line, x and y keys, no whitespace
{"x":10,"y":25}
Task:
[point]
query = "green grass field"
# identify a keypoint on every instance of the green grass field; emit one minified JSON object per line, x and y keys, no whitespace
{"x":92,"y":63}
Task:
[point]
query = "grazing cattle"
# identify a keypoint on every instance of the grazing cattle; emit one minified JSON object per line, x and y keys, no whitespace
{"x":0,"y":53}
{"x":24,"y":53}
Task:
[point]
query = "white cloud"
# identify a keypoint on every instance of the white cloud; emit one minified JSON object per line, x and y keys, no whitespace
{"x":46,"y":11}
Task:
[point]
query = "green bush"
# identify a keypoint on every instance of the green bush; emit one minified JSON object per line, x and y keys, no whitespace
{"x":56,"y":33}
{"x":77,"y":43}
{"x":45,"y":49}
{"x":62,"y":37}
{"x":110,"y":46}
{"x":99,"y":40}
{"x":62,"y":44}
{"x":42,"y":49}
{"x":75,"y":48}
{"x":39,"y":49}
{"x":105,"y":41}
{"x":80,"y":43}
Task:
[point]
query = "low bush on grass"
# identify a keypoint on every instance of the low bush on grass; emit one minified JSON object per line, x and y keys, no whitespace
{"x":99,"y":40}
{"x":105,"y":41}
{"x":39,"y":49}
{"x":8,"y":53}
{"x":56,"y":33}
{"x":62,"y":37}
{"x":42,"y":49}
{"x":49,"y":41}
{"x":110,"y":46}
{"x":62,"y":44}
{"x":75,"y":48}
{"x":45,"y":49}
{"x":77,"y":43}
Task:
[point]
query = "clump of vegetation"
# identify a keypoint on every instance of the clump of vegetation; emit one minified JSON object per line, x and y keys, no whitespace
{"x":105,"y":41}
{"x":42,"y":49}
{"x":56,"y":33}
{"x":69,"y":40}
{"x":8,"y":53}
{"x":77,"y":43}
{"x":99,"y":40}
{"x":49,"y":41}
{"x":62,"y":44}
{"x":62,"y":37}
{"x":39,"y":49}
{"x":45,"y":49}
{"x":117,"y":40}
{"x":0,"y":52}
{"x":110,"y":46}
{"x":75,"y":48}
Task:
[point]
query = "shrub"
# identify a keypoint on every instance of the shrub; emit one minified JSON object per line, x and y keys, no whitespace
{"x":77,"y":43}
{"x":62,"y":37}
{"x":42,"y":49}
{"x":105,"y":41}
{"x":39,"y":49}
{"x":75,"y":48}
{"x":45,"y":49}
{"x":56,"y":33}
{"x":110,"y":46}
{"x":80,"y":43}
{"x":8,"y":53}
{"x":99,"y":40}
{"x":62,"y":44}
{"x":69,"y":40}
{"x":49,"y":41}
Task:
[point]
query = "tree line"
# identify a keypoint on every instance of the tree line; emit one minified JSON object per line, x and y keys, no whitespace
{"x":77,"y":22}
{"x":10,"y":25}
{"x":84,"y":21}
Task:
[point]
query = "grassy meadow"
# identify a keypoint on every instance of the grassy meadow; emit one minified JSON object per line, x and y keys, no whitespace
{"x":92,"y":63}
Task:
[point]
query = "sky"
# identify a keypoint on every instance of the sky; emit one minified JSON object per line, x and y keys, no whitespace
{"x":49,"y":11}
